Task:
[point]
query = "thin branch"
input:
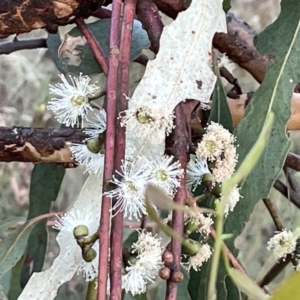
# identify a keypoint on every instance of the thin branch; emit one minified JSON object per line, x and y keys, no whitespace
{"x":94,"y":44}
{"x":274,"y":214}
{"x":180,"y":150}
{"x":292,"y":195}
{"x":238,"y":45}
{"x":38,"y":144}
{"x":234,"y":262}
{"x":275,"y":271}
{"x":293,"y":161}
{"x":293,"y":183}
{"x":111,"y":98}
{"x":24,"y":16}
{"x":122,"y":104}
{"x":142,"y":59}
{"x":102,"y":13}
{"x":166,"y":9}
{"x":147,"y":13}
{"x":15,"y":44}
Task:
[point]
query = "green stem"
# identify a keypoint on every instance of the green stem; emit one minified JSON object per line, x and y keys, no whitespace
{"x":88,"y":239}
{"x":92,"y":290}
{"x":212,"y":293}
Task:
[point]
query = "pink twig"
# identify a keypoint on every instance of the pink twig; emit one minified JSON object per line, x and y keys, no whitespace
{"x":111,"y":98}
{"x":180,"y":151}
{"x":122,"y":104}
{"x":148,"y":14}
{"x":93,"y":43}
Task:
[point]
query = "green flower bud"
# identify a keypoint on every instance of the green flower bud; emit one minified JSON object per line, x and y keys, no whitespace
{"x":217,"y":190}
{"x":132,"y":260}
{"x":93,"y":145}
{"x":207,"y":180}
{"x":80,"y":231}
{"x":191,"y":247}
{"x":89,"y":255}
{"x":191,"y":226}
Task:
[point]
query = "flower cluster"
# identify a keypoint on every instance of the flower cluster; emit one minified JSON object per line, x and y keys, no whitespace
{"x":215,"y":161}
{"x":66,"y":225}
{"x":71,"y":105}
{"x":282,"y":243}
{"x":147,"y":263}
{"x":130,"y":183}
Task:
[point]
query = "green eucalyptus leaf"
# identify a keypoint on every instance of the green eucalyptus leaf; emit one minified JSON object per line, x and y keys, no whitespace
{"x":5,"y":224}
{"x":14,"y":246}
{"x":44,"y":187}
{"x":281,"y":40}
{"x":11,"y":281}
{"x":246,"y":285}
{"x":74,"y":55}
{"x":226,"y":5}
{"x":289,"y":289}
{"x":198,"y":284}
{"x":220,"y":112}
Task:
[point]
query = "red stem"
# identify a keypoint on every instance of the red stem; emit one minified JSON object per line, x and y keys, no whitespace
{"x":180,"y":151}
{"x":148,"y":14}
{"x":93,"y":43}
{"x":102,"y":13}
{"x":122,"y":104}
{"x":111,"y":98}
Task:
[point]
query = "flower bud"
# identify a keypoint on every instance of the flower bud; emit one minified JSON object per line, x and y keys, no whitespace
{"x":167,"y":258}
{"x":80,"y":231}
{"x":93,"y":145}
{"x":191,"y":247}
{"x":89,"y":255}
{"x":132,"y":260}
{"x":164,"y":273}
{"x":177,"y":276}
{"x":143,"y":117}
{"x":191,"y":226}
{"x":217,"y":191}
{"x":207,"y":180}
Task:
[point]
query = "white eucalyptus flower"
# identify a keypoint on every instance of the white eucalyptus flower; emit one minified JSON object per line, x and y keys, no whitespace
{"x":148,"y":262}
{"x":66,"y":225}
{"x":195,"y":170}
{"x":232,"y":200}
{"x":146,"y":243}
{"x":92,"y":161}
{"x":97,"y":125}
{"x":214,"y":142}
{"x":224,"y":61}
{"x":282,"y":243}
{"x":72,"y":99}
{"x":225,"y":165}
{"x":196,"y":261}
{"x":145,"y":121}
{"x":129,"y":190}
{"x":166,"y":174}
